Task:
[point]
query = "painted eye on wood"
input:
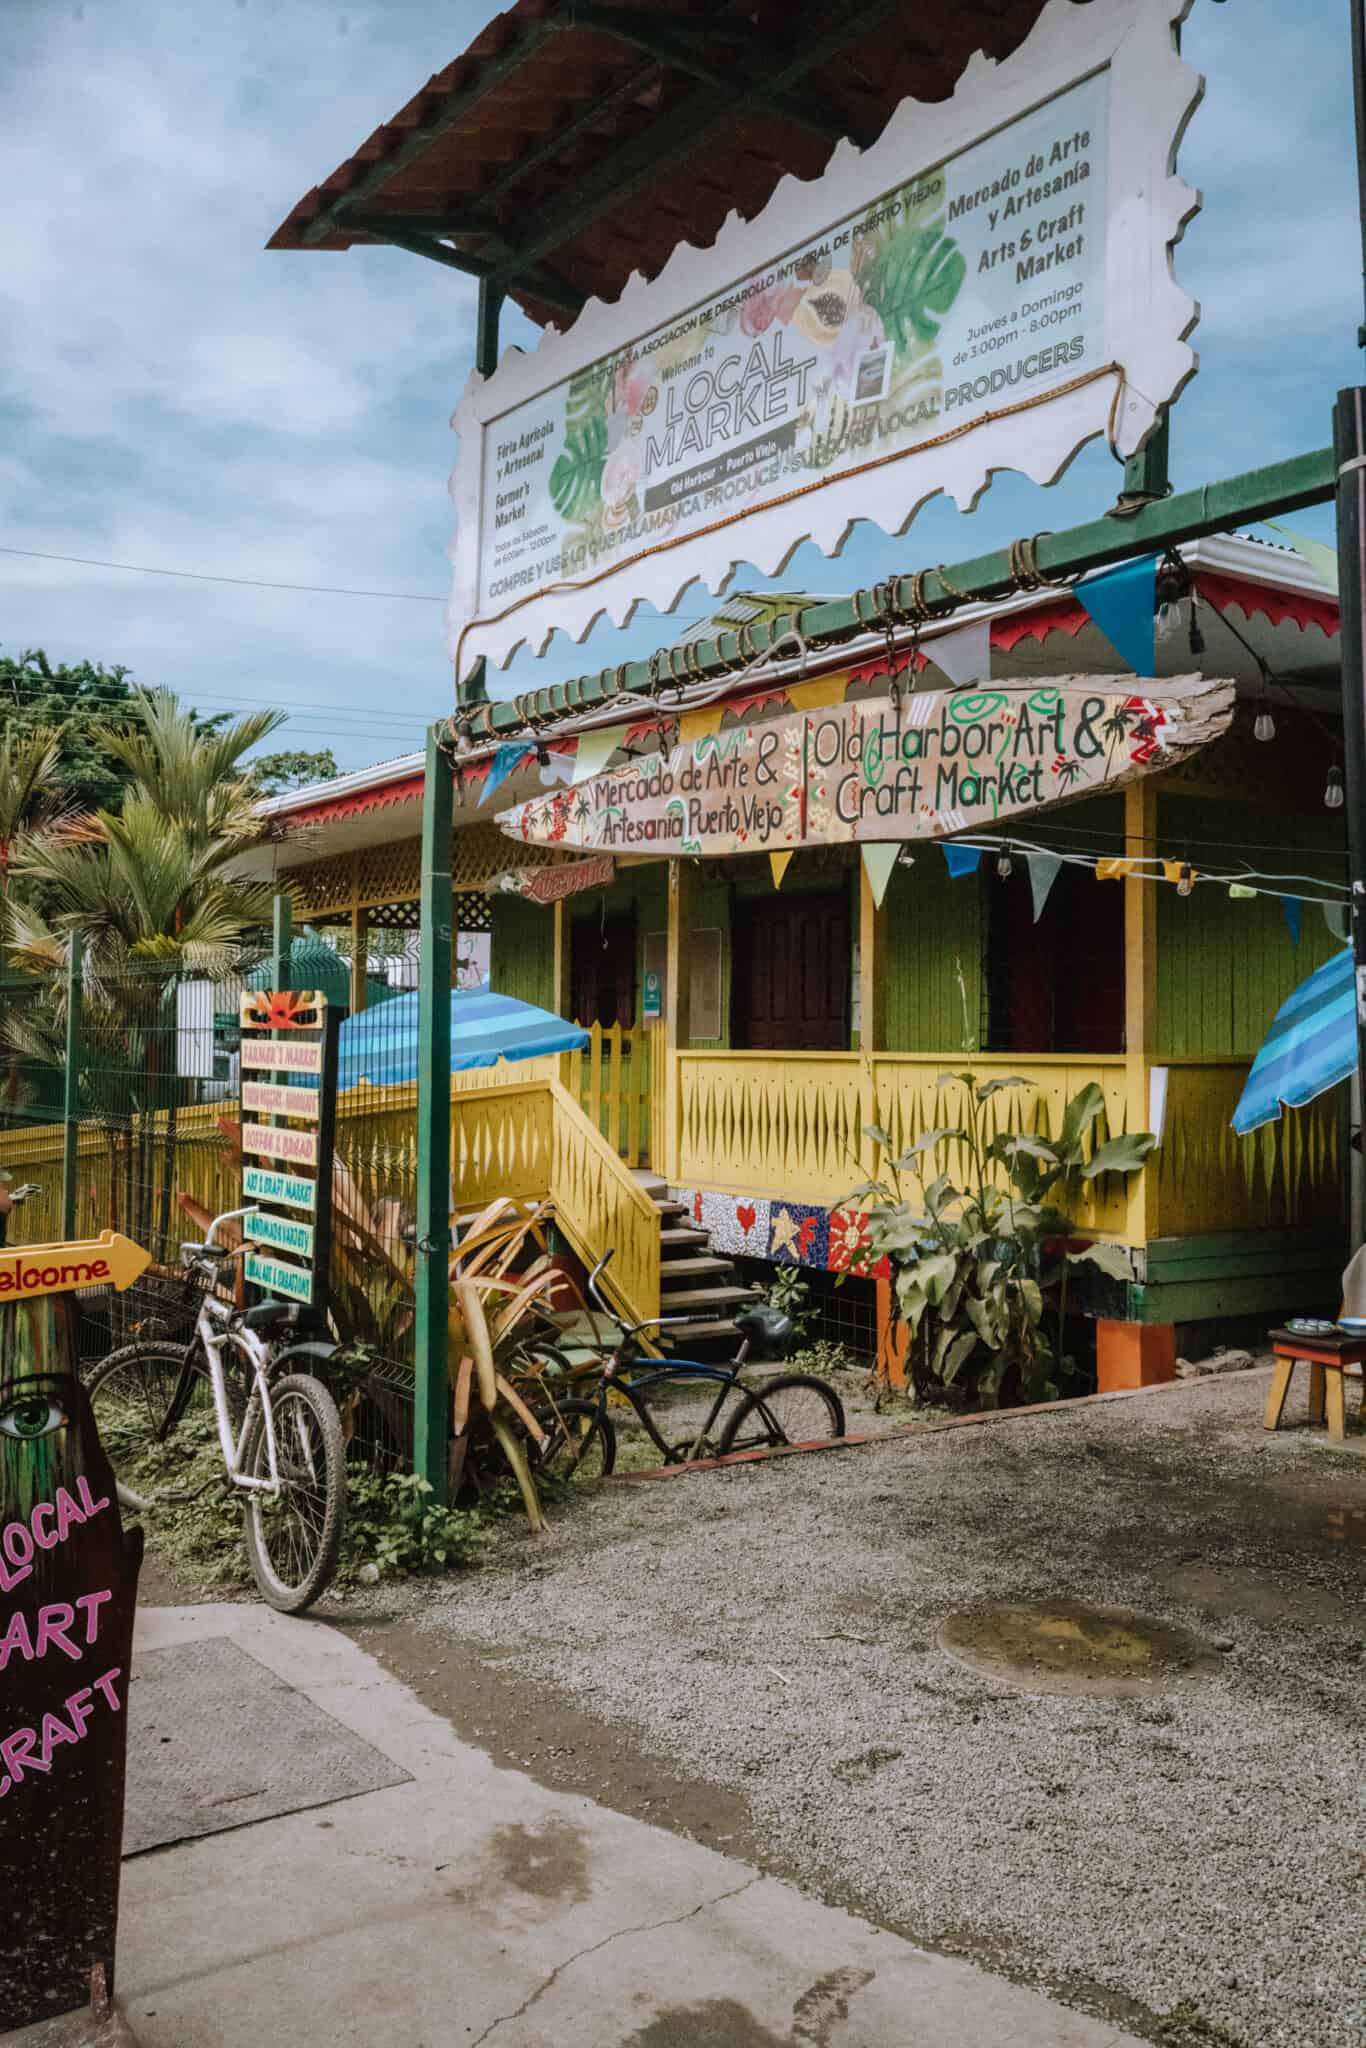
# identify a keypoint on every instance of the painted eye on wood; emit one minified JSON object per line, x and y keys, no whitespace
{"x":35,"y":1416}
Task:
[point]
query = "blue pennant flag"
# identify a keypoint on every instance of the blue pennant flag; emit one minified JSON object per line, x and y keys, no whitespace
{"x":1122,"y":603}
{"x":1294,"y":911}
{"x":962,"y":860}
{"x":505,"y":760}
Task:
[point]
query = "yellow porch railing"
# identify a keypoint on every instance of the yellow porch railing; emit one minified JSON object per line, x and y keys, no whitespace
{"x":794,"y":1124}
{"x":599,"y":1205}
{"x":523,"y":1138}
{"x":1205,"y":1178}
{"x":609,"y":1078}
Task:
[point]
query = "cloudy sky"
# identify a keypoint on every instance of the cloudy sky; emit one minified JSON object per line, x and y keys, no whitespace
{"x":171,"y":394}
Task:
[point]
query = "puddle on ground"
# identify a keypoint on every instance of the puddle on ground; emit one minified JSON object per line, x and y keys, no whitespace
{"x":1239,"y":1589}
{"x":1064,"y":1646}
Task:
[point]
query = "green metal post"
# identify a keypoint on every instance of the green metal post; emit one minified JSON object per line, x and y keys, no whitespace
{"x":432,"y":1291}
{"x":71,"y":1129}
{"x":281,"y":941}
{"x":486,"y":335}
{"x":1147,"y":475}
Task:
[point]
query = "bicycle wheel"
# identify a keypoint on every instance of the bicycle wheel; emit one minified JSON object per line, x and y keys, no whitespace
{"x":139,"y":1394}
{"x":293,"y":1537}
{"x":792,"y":1409}
{"x":580,"y":1446}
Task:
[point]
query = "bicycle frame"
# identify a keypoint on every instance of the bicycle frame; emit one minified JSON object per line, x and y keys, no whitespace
{"x":216,"y":1328}
{"x":215,"y":1341}
{"x":658,"y":1371}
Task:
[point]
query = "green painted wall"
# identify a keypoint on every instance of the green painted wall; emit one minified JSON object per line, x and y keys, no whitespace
{"x":935,"y":937}
{"x":522,"y":955}
{"x":1225,"y":967}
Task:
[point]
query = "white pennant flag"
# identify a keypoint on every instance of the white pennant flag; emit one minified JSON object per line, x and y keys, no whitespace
{"x":596,"y":749}
{"x":879,"y":858}
{"x":1043,"y":873}
{"x":964,"y":654}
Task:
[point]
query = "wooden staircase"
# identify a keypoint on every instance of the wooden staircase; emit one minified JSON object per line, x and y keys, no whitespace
{"x":694,"y":1281}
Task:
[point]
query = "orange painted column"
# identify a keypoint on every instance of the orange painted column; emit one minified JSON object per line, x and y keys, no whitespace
{"x":1134,"y":1355}
{"x":893,"y":1338}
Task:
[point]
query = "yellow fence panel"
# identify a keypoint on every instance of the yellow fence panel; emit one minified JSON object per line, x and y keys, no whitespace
{"x":1207,"y":1178}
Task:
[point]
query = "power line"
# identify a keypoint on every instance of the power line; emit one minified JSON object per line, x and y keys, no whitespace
{"x":243,"y":582}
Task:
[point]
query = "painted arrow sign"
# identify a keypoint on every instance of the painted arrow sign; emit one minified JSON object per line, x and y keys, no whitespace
{"x":928,"y":767}
{"x":110,"y":1260}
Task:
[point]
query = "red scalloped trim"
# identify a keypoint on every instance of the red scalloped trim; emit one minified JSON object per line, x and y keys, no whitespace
{"x":1275,"y":606}
{"x":742,"y":706}
{"x":880,"y":665}
{"x":363,"y":800}
{"x":1067,"y":616}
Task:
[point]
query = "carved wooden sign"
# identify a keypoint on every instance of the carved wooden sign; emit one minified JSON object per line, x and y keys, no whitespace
{"x":929,"y":767}
{"x":289,"y":1047}
{"x":68,"y":1584}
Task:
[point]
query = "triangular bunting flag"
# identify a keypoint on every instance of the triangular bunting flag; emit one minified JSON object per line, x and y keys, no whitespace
{"x":1122,"y":603}
{"x":1322,"y":559}
{"x":961,"y":860}
{"x":778,"y":862}
{"x":1294,"y":911}
{"x":1338,"y":919}
{"x":504,"y":761}
{"x":1240,"y":892}
{"x":879,"y":858}
{"x":964,"y":655}
{"x":1114,"y":870}
{"x":1043,"y":873}
{"x":596,"y":750}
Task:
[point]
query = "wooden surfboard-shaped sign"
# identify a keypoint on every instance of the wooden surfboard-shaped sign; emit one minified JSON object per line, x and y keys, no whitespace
{"x":929,"y":767}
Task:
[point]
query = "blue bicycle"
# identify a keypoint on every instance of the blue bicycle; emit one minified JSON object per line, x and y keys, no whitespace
{"x":789,"y":1409}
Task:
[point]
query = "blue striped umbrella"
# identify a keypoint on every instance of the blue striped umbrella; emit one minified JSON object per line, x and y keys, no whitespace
{"x":380,"y":1045}
{"x":1311,"y":1046}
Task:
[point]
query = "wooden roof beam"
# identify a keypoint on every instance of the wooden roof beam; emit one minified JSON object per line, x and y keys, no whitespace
{"x":820,"y":34}
{"x":450,"y":110}
{"x":405,"y":233}
{"x":691,"y":47}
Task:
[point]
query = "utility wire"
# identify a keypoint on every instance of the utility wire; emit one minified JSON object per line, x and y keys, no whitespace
{"x":243,"y":582}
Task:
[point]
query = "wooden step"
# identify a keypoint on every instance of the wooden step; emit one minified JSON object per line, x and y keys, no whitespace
{"x":683,"y":1234}
{"x":667,"y":1209}
{"x":673,"y":1340}
{"x":709,"y":1263}
{"x":680,"y":1300}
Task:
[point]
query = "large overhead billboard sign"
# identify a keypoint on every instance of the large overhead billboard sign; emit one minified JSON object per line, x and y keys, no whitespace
{"x":987,"y":287}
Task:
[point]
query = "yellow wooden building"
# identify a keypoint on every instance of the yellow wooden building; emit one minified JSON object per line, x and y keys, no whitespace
{"x":790,"y":1017}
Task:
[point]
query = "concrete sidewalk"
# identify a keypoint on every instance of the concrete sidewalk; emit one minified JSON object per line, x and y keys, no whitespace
{"x":472,"y":1905}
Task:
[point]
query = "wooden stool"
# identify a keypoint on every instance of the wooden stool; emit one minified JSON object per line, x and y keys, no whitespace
{"x":1325,"y":1357}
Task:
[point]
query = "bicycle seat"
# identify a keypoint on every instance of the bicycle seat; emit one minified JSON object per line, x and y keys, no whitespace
{"x":769,"y":1331}
{"x":268,"y":1318}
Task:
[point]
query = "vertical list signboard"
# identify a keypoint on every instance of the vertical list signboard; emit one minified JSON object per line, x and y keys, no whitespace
{"x":289,"y":1109}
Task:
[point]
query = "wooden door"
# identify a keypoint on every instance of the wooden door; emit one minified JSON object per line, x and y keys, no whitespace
{"x":602,"y":969}
{"x":790,"y":974}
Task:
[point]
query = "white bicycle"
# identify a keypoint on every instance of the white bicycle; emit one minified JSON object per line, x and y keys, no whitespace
{"x":278,"y":1428}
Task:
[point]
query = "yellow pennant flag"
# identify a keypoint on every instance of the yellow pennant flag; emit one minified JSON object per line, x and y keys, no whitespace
{"x":778,"y":862}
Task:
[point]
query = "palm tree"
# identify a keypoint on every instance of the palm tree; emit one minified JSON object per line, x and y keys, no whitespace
{"x":33,"y":809}
{"x":152,"y":894}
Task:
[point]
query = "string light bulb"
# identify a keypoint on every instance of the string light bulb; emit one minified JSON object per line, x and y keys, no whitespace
{"x":1005,"y":867}
{"x":1264,"y":726}
{"x":1332,"y":789}
{"x":1185,"y":881}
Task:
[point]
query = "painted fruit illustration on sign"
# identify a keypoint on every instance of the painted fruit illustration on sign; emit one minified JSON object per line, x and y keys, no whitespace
{"x":801,"y":368}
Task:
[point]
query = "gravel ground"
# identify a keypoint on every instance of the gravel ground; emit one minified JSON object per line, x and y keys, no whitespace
{"x":772,"y":1630}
